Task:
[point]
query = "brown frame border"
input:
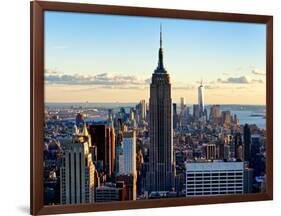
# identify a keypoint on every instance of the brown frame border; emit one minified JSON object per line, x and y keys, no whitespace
{"x":37,"y":9}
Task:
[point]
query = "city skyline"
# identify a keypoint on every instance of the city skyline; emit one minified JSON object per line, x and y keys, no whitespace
{"x":151,"y":150}
{"x":78,"y":72}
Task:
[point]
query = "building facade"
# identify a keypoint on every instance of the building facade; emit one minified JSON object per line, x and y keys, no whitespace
{"x":216,"y":178}
{"x":129,"y":153}
{"x":77,"y":174}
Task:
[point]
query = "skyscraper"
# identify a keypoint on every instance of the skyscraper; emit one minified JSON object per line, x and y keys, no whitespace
{"x":196,"y":111}
{"x":209,"y":151}
{"x":98,"y":137}
{"x":215,"y":114}
{"x":142,"y":110}
{"x":257,"y":158}
{"x":118,"y":143}
{"x":226,"y":118}
{"x":201,"y":99}
{"x":238,"y":147}
{"x":77,"y":174}
{"x":103,"y":138}
{"x":127,"y":170}
{"x":247,"y":143}
{"x":175,"y":116}
{"x":111,"y":143}
{"x":160,"y":175}
{"x":182,"y":104}
{"x":129,"y":153}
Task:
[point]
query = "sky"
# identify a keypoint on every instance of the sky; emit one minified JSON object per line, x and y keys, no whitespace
{"x":111,"y":58}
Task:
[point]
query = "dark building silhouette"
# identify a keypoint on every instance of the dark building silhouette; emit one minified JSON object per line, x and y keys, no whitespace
{"x":175,"y":116}
{"x":98,"y":137}
{"x":257,"y":158}
{"x":196,"y":111}
{"x":130,"y":185}
{"x":118,"y":144}
{"x":161,"y":175}
{"x":110,"y":142}
{"x":103,"y":139}
{"x":109,"y":193}
{"x":238,"y":153}
{"x":247,"y":143}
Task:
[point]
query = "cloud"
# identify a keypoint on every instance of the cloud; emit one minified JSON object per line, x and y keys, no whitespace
{"x":240,"y":80}
{"x":258,"y":72}
{"x":257,"y":81}
{"x":50,"y":72}
{"x":183,"y":87}
{"x":234,"y":80}
{"x":104,"y":80}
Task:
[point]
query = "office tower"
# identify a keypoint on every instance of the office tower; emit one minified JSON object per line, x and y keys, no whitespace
{"x":175,"y":116}
{"x":226,"y":118}
{"x":184,"y":117}
{"x":235,"y":120}
{"x":52,"y":161}
{"x":201,"y":99}
{"x":85,"y":135}
{"x":182,"y":104}
{"x":123,"y":114}
{"x":111,"y":143}
{"x":132,"y":114}
{"x":141,"y":109}
{"x":77,"y":174}
{"x":98,"y":137}
{"x":215,"y":114}
{"x":232,"y":149}
{"x":226,"y":156}
{"x":248,"y":180}
{"x":80,"y":119}
{"x":256,"y":161}
{"x":220,"y":149}
{"x":130,"y":182}
{"x":216,"y":178}
{"x":118,"y":144}
{"x":103,"y":137}
{"x":129,"y":153}
{"x":160,"y":176}
{"x":140,"y":171}
{"x":110,"y":146}
{"x":238,"y":154}
{"x":247,"y":143}
{"x":209,"y":151}
{"x":196,"y":111}
{"x":109,"y":193}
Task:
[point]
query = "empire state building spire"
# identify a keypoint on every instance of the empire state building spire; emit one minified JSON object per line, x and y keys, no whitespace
{"x":161,"y":36}
{"x":160,"y":175}
{"x":160,"y":68}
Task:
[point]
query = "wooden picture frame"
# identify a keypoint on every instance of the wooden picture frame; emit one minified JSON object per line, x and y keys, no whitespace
{"x":37,"y":104}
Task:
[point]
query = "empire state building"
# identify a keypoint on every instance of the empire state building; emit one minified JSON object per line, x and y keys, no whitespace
{"x":160,"y":173}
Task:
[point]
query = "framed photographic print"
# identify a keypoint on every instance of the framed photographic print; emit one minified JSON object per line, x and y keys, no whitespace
{"x":142,"y":107}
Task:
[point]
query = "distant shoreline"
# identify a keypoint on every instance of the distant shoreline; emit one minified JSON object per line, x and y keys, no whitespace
{"x":132,"y":103}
